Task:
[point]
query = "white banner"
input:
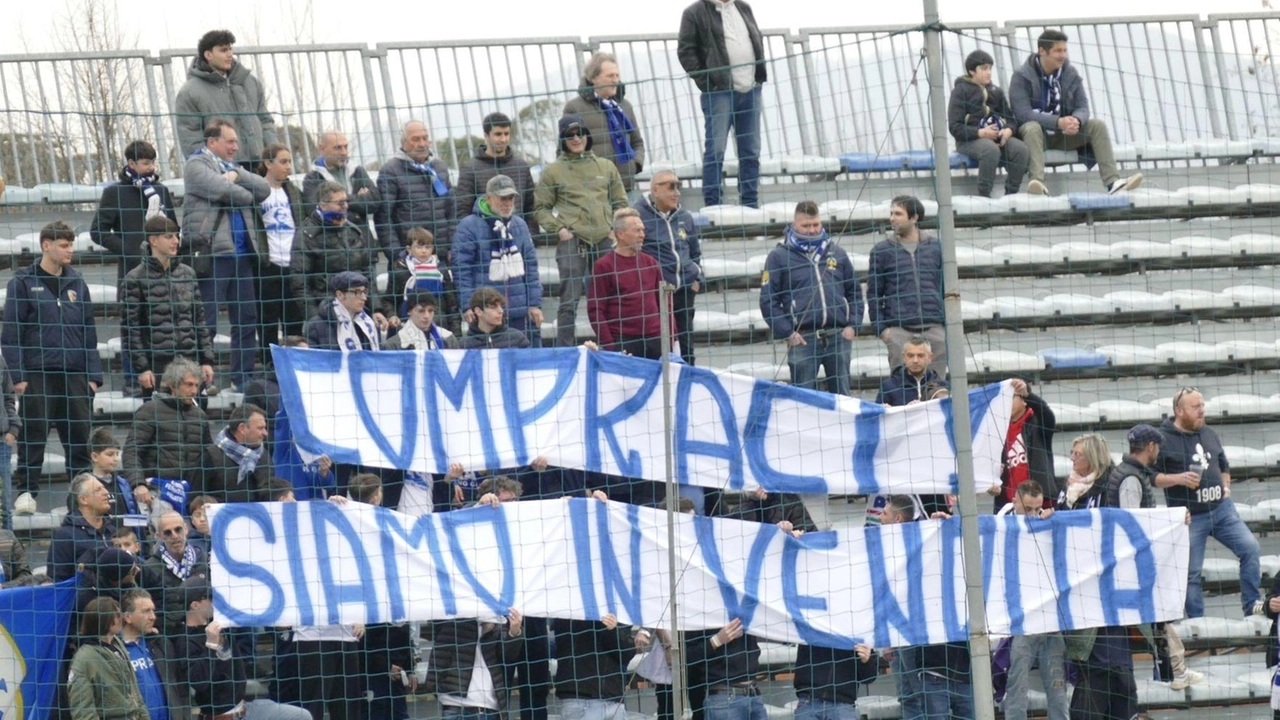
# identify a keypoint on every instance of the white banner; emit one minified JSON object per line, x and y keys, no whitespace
{"x":602,"y":411}
{"x":317,"y":563}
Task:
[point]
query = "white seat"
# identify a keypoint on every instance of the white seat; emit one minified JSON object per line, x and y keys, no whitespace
{"x":1261,"y":193}
{"x":761,"y":371}
{"x":84,"y":243}
{"x":28,"y":196}
{"x":846,"y":210}
{"x":1061,"y":465}
{"x":1026,"y":203}
{"x":1247,"y":350}
{"x":772,"y":653}
{"x":970,"y":256}
{"x":1270,"y":564}
{"x":1252,"y":295}
{"x":1013,"y":306}
{"x":755,"y":318}
{"x":1152,"y":198}
{"x":1068,"y":414}
{"x":1126,"y":355}
{"x":1259,"y":681}
{"x":1157,"y":694}
{"x":381,"y":280}
{"x":1272,"y":453}
{"x":879,"y":707}
{"x":1140,"y":250}
{"x":779,"y":212}
{"x":1081,"y":251}
{"x":1159,"y":150}
{"x":112,"y":349}
{"x":721,"y":268}
{"x":874,"y":366}
{"x":1073,"y":304}
{"x":976,"y":311}
{"x":1137,"y":301}
{"x":226,"y":400}
{"x":734,"y":215}
{"x":768,"y":166}
{"x":222,"y":342}
{"x":1004,"y":361}
{"x":29,"y":242}
{"x":1255,"y":244}
{"x":71,"y":193}
{"x":978,"y":205}
{"x":1198,"y":300}
{"x":1221,"y":147}
{"x":1254,"y":514}
{"x":1022,"y":254}
{"x":548,"y":274}
{"x":1271,"y":507}
{"x":1125,"y":410}
{"x":716,"y":321}
{"x":1184,"y":351}
{"x":1242,"y":456}
{"x":1240,"y":405}
{"x":809,"y":164}
{"x":1200,"y":246}
{"x":755,"y":264}
{"x":1125,"y":153}
{"x":1219,"y":687}
{"x":1221,"y":570}
{"x":114,"y":402}
{"x":773,"y":712}
{"x":1204,"y":194}
{"x":861,"y":262}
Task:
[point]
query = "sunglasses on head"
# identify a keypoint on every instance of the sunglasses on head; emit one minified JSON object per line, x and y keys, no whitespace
{"x":1177,"y":398}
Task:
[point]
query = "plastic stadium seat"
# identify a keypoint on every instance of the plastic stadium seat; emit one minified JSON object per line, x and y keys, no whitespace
{"x":113,"y":402}
{"x":1025,"y":203}
{"x":755,"y":265}
{"x":83,"y":243}
{"x":773,"y":712}
{"x":382,"y":278}
{"x":768,"y":166}
{"x":1061,"y":157}
{"x":755,"y":318}
{"x":1141,"y":250}
{"x":1061,"y":465}
{"x":1261,"y":193}
{"x":918,"y":159}
{"x":1137,"y":301}
{"x":870,"y":162}
{"x":978,"y":205}
{"x":772,"y":653}
{"x":1152,"y":198}
{"x":1216,"y":628}
{"x":1023,"y":253}
{"x":878,"y":707}
{"x":1125,"y":410}
{"x":847,"y":210}
{"x":1220,"y":686}
{"x":1073,"y":304}
{"x":1158,"y":694}
{"x":1198,"y":300}
{"x":960,"y":161}
{"x":1271,"y":507}
{"x":548,"y":274}
{"x":861,"y":262}
{"x":70,"y":193}
{"x":720,"y":268}
{"x":779,"y":212}
{"x":1199,"y":246}
{"x":808,"y":164}
{"x":222,"y":343}
{"x":110,"y":349}
{"x":1071,"y":357}
{"x":1166,"y":150}
{"x":1241,"y":456}
{"x":1218,"y":147}
{"x":1270,"y":563}
{"x":1081,"y":251}
{"x":1013,"y":306}
{"x":1185,"y":351}
{"x":103,"y":294}
{"x":1240,"y":405}
{"x":1069,"y":414}
{"x":1098,"y":200}
{"x":29,"y":242}
{"x":970,"y":256}
{"x":1252,"y":295}
{"x":1252,"y":514}
{"x":1272,"y":453}
{"x":1125,"y":153}
{"x":763,"y":371}
{"x":975,"y":311}
{"x":1247,"y":350}
{"x":734,"y":215}
{"x":1259,"y":681}
{"x":1220,"y":570}
{"x":1254,"y":244}
{"x":30,"y":196}
{"x":1205,"y":194}
{"x":9,"y":246}
{"x":1265,"y":145}
{"x":1004,"y":361}
{"x":872,"y":366}
{"x":718,"y":322}
{"x":226,"y":400}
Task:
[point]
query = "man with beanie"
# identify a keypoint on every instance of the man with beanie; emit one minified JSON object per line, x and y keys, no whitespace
{"x":983,"y":125}
{"x":1052,"y":110}
{"x":219,"y":86}
{"x":220,"y":213}
{"x":811,"y":298}
{"x":575,"y":199}
{"x":493,"y":248}
{"x":904,"y":285}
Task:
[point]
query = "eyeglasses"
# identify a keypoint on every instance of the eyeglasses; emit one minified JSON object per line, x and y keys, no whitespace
{"x":358,"y":293}
{"x":174,"y":531}
{"x":674,"y":184}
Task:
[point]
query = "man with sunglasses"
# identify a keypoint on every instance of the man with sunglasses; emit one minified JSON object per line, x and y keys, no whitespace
{"x":671,"y":237}
{"x":173,"y":563}
{"x":576,"y":198}
{"x":1193,"y":470}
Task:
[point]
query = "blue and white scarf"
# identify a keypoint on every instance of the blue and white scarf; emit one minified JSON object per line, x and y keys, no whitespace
{"x":1052,"y":89}
{"x":809,"y":244}
{"x":620,"y":129}
{"x":245,"y":458}
{"x":424,"y":168}
{"x":146,"y":185}
{"x":506,"y":262}
{"x":181,"y":568}
{"x":349,"y":339}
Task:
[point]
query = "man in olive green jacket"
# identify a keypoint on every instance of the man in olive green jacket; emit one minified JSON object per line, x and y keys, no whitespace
{"x":583,"y":191}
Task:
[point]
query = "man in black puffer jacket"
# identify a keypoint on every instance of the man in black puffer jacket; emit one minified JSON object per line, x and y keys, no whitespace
{"x":453,"y":660}
{"x":983,"y":125}
{"x":170,"y":437}
{"x":163,"y":312}
{"x":126,"y":206}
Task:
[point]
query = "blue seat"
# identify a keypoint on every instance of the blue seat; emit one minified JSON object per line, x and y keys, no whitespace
{"x":1071,"y":357}
{"x":870,"y":162}
{"x":1097,"y":201}
{"x":960,"y":161}
{"x":918,"y":159}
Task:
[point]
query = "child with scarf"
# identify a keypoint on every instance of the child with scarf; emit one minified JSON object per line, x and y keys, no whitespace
{"x":344,"y":324}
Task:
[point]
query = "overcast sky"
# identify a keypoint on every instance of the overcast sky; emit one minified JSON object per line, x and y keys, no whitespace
{"x":159,"y":24}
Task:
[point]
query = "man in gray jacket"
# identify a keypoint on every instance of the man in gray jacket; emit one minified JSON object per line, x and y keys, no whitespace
{"x":1052,"y":110}
{"x":221,"y":212}
{"x":218,"y":86}
{"x":609,"y":117}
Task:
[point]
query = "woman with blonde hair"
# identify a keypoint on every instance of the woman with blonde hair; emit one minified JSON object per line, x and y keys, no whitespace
{"x":1090,"y":463}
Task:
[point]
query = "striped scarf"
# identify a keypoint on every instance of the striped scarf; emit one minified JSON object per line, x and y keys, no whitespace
{"x":424,"y":168}
{"x":1052,"y":83}
{"x":181,"y":568}
{"x":620,"y":129}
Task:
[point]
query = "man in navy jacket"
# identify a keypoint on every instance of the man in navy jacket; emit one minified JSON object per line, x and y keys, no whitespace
{"x":904,"y":285}
{"x":671,"y":237}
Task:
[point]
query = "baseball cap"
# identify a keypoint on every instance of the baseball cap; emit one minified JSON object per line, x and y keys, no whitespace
{"x":346,"y":280}
{"x":501,"y":185}
{"x":112,"y":565}
{"x":1140,"y":435}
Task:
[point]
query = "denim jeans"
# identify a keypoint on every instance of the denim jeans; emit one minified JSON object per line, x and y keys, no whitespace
{"x":233,"y":284}
{"x":587,"y":709}
{"x":814,"y":709}
{"x":830,"y":351}
{"x":1224,"y":524}
{"x":1024,"y":650}
{"x":723,"y":706}
{"x":264,"y":709}
{"x":724,"y":110}
{"x":906,"y":678}
{"x":946,"y":699}
{"x":6,"y":478}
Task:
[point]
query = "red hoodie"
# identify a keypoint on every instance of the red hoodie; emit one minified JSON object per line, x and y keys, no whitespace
{"x":622,"y":298}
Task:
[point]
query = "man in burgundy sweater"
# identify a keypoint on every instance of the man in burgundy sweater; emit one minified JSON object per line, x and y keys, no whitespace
{"x":622,"y":300}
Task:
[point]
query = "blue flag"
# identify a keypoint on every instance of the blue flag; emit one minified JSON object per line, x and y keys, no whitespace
{"x":33,"y":634}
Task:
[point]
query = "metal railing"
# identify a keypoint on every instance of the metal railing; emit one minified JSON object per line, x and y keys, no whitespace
{"x":66,"y":118}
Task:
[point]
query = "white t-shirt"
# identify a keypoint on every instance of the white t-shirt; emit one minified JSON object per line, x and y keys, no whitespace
{"x":481,"y":693}
{"x":415,"y":494}
{"x":277,"y":217}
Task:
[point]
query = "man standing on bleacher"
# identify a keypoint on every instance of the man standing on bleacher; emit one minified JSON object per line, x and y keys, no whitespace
{"x":1052,"y":110}
{"x":904,"y":286}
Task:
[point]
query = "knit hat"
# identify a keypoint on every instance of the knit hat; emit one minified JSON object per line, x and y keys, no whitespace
{"x":570,"y":124}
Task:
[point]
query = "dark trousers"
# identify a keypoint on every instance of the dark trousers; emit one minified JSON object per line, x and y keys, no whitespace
{"x":331,"y":679}
{"x":642,"y":347}
{"x":682,"y":308}
{"x":1104,"y":693}
{"x":666,"y":701}
{"x":54,"y":400}
{"x":276,"y":306}
{"x":231,"y":282}
{"x":534,"y":669}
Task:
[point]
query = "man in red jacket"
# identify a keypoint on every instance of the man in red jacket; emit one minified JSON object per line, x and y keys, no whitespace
{"x":622,"y":300}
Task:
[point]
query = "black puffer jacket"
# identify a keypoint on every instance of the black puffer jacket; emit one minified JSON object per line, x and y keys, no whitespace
{"x":164,"y":317}
{"x":592,"y":660}
{"x":409,"y":199}
{"x":166,"y":590}
{"x":453,"y":657}
{"x":320,"y":251}
{"x":170,"y":439}
{"x":971,"y":103}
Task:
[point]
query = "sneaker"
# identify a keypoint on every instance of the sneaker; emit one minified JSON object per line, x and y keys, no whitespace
{"x":1130,"y":183}
{"x":1259,"y":608}
{"x":1182,"y":682}
{"x":25,"y":504}
{"x":1037,"y":187}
